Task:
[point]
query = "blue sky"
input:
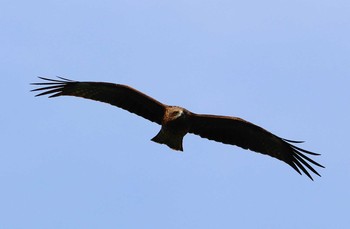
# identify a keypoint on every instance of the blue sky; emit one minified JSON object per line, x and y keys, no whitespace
{"x":73,"y":163}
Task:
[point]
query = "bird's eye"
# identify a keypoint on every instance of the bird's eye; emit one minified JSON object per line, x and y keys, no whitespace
{"x":176,"y":113}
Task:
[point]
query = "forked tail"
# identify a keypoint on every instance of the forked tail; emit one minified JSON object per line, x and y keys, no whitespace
{"x":170,"y":139}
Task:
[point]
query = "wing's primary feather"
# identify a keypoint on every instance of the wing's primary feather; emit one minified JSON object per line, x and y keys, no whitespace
{"x":118,"y":95}
{"x":236,"y":131}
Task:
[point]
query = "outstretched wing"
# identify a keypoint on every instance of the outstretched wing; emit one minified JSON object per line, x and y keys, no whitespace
{"x":118,"y":95}
{"x":236,"y":131}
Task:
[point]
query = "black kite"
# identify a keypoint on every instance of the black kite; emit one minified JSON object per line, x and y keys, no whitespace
{"x":176,"y":121}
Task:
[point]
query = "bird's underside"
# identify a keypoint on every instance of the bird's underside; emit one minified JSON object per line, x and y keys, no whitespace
{"x":176,"y":121}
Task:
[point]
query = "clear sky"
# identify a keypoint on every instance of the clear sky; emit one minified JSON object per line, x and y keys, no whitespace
{"x":73,"y":163}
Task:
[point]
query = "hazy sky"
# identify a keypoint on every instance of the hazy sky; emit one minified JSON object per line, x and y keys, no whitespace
{"x":73,"y":163}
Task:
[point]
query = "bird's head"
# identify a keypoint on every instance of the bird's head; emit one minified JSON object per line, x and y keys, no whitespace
{"x":174,"y":113}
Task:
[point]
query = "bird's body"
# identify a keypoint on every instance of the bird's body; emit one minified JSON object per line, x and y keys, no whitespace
{"x":176,"y":121}
{"x":175,"y":125}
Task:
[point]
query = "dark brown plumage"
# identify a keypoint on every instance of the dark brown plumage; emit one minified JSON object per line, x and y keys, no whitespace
{"x":176,"y":121}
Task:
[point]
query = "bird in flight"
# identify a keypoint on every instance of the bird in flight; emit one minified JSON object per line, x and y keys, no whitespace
{"x":176,"y":121}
